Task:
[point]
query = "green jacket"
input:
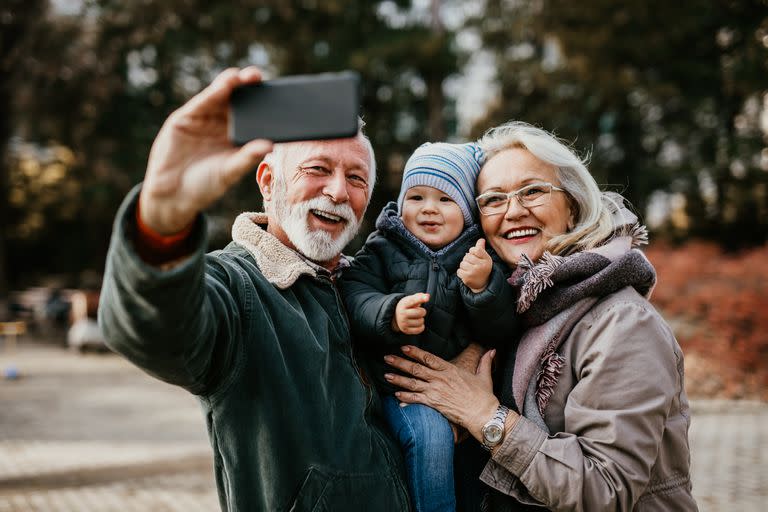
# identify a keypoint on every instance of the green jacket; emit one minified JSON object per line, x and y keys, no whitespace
{"x":260,"y":336}
{"x":394,"y":263}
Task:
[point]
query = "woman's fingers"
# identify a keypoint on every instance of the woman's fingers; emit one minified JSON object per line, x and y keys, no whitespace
{"x":411,"y":368}
{"x":485,"y":366}
{"x":426,"y":358}
{"x":409,"y":397}
{"x":408,"y":383}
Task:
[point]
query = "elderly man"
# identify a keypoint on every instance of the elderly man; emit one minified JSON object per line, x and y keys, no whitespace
{"x":256,"y":330}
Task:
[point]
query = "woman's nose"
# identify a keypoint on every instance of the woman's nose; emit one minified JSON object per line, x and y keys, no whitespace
{"x":515,"y":209}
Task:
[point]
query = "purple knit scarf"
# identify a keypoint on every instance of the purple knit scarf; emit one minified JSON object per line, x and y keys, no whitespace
{"x":553,"y":295}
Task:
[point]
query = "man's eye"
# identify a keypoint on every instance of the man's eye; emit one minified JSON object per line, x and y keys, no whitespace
{"x":359,"y":180}
{"x":316,"y":169}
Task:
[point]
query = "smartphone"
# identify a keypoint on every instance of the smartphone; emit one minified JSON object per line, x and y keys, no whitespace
{"x":301,"y":107}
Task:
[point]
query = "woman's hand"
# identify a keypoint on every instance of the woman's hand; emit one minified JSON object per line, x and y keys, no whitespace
{"x":469,"y":358}
{"x":463,"y":397}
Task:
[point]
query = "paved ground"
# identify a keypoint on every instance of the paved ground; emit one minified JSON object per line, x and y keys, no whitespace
{"x":93,"y":434}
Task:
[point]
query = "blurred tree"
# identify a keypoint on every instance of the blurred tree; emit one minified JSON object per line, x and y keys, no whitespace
{"x":665,"y":96}
{"x":95,"y":86}
{"x":17,"y":19}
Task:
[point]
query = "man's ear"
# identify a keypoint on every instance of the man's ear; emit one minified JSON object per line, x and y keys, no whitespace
{"x":265,"y":179}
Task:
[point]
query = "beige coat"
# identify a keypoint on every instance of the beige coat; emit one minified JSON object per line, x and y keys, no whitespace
{"x":619,"y":418}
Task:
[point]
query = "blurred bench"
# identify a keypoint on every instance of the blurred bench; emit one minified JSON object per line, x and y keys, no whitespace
{"x":10,"y":330}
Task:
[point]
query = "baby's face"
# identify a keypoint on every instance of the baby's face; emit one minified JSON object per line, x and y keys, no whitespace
{"x":432,"y":216}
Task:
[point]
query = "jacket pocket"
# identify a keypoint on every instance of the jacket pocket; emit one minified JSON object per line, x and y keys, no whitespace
{"x":325,"y":490}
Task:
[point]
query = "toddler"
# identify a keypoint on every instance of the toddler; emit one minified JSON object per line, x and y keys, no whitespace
{"x":424,"y":278}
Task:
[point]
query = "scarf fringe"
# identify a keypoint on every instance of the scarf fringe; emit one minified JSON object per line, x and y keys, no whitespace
{"x":538,"y":277}
{"x":639,"y":234}
{"x":552,"y":365}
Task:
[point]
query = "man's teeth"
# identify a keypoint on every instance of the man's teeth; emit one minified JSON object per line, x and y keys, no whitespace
{"x":519,"y":233}
{"x":329,"y":216}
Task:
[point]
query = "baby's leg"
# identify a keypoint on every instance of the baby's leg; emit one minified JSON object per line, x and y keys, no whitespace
{"x":427,"y":441}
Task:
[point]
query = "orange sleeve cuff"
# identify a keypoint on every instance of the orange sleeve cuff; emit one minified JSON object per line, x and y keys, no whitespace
{"x":156,"y":248}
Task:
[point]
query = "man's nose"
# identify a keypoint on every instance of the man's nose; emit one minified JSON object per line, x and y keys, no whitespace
{"x":336,"y":187}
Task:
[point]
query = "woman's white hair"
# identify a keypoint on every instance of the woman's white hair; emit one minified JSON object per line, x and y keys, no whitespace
{"x":591,"y":208}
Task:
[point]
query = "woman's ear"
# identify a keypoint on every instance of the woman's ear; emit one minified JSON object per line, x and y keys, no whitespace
{"x":573,"y":213}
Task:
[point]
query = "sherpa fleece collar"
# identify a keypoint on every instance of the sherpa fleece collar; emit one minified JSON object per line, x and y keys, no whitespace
{"x":279,"y":264}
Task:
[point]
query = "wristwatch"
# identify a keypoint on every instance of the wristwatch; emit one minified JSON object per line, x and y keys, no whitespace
{"x":493,"y":431}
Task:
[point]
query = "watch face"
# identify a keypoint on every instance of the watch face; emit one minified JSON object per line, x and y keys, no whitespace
{"x":493,"y":433}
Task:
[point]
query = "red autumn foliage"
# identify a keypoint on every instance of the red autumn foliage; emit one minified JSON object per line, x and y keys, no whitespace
{"x":717,"y":304}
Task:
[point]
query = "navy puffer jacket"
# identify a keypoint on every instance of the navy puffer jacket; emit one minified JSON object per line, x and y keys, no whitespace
{"x":392,"y":264}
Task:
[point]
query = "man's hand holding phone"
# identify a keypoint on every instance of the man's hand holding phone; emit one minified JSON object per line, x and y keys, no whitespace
{"x":192,"y":162}
{"x":195,"y":159}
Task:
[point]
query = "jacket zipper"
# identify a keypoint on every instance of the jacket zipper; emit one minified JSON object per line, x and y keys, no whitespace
{"x":432,"y":282}
{"x":345,"y":318}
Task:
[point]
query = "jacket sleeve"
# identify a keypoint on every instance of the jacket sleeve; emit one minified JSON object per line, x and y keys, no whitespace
{"x":492,"y":314}
{"x":627,"y":372}
{"x":178,"y":325}
{"x":367,"y":298}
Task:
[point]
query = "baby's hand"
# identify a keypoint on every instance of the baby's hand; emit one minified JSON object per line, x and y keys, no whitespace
{"x":475,"y":268}
{"x":409,"y":315}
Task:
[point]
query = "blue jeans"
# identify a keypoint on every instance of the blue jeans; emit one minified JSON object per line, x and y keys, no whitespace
{"x":427,"y":442}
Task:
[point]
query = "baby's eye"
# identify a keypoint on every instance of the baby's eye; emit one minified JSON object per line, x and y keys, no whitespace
{"x":447,"y":199}
{"x":414,"y":197}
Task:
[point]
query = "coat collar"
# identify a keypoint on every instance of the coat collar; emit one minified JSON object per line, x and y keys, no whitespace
{"x":279,"y":264}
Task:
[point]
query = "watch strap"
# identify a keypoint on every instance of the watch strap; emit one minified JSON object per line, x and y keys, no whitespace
{"x":499,"y":417}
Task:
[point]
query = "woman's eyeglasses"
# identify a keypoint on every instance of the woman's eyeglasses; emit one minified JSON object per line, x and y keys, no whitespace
{"x":536,"y":194}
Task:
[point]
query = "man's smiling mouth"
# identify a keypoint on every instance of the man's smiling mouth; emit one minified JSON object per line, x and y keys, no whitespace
{"x":328,"y":217}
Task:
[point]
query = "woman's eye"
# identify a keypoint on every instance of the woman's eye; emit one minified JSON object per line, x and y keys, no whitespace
{"x":493,"y":200}
{"x":533,"y":191}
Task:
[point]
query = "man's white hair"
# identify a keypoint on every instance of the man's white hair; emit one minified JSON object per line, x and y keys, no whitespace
{"x":280,"y":152}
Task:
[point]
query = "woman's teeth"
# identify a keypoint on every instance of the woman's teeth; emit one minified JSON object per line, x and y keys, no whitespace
{"x":520,"y":233}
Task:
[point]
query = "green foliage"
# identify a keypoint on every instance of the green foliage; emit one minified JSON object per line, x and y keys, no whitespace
{"x":665,"y":96}
{"x":101,"y":83}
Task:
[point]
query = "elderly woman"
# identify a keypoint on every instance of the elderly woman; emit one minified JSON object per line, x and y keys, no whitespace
{"x":590,"y":412}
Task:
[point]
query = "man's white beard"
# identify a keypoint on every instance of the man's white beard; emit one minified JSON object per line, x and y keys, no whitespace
{"x":317,"y":245}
